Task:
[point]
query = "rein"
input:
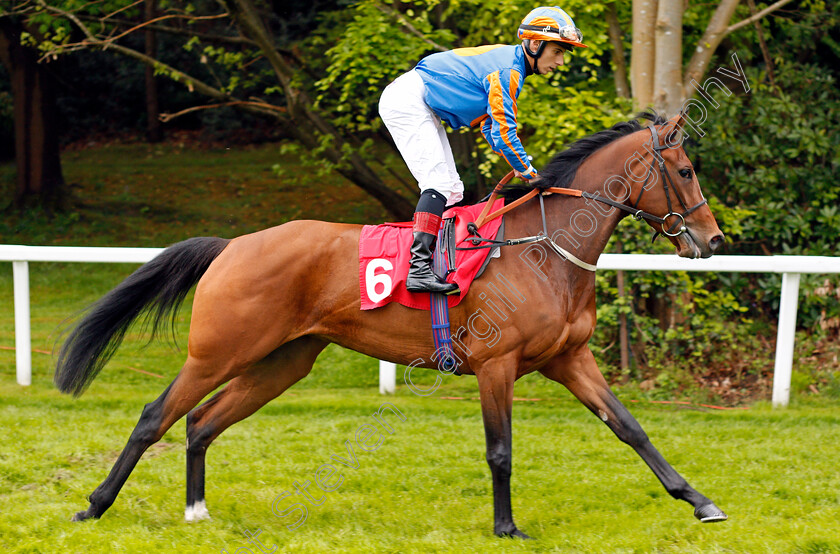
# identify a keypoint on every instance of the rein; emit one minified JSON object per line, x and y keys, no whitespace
{"x":637,"y":214}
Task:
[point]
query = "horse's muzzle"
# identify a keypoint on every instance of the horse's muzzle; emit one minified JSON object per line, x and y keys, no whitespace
{"x":716,"y":242}
{"x":689,"y":245}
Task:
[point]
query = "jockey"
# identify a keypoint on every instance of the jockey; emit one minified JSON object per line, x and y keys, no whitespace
{"x":466,"y":87}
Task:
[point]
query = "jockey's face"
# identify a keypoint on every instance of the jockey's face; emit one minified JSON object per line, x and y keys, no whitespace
{"x":551,"y":58}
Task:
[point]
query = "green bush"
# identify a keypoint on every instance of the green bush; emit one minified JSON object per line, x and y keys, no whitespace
{"x":768,"y":164}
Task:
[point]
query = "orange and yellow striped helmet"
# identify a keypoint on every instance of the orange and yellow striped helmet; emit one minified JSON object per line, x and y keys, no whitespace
{"x":552,"y":24}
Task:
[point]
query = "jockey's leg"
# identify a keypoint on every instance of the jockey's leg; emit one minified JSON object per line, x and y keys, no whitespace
{"x":421,"y":278}
{"x":422,"y":141}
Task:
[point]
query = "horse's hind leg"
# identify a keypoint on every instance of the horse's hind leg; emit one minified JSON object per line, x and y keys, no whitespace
{"x":240,"y":398}
{"x":187,"y":390}
{"x":579,"y":372}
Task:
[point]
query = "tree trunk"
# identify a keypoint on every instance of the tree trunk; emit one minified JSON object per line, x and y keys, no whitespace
{"x":759,"y":31}
{"x":622,"y":87}
{"x":667,"y":77}
{"x":622,"y":319}
{"x":708,"y":43}
{"x":154,"y":132}
{"x":309,"y":126}
{"x":37,"y":154}
{"x":643,"y":55}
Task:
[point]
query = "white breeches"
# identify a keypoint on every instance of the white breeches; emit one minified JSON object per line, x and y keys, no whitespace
{"x":420,"y":136}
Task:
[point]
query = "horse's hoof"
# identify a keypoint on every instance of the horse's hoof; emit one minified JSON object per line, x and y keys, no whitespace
{"x":520,"y":535}
{"x":710,"y":513}
{"x":516,"y":533}
{"x":80,"y":516}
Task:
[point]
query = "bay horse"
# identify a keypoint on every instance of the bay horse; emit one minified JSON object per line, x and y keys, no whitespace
{"x":267,"y":303}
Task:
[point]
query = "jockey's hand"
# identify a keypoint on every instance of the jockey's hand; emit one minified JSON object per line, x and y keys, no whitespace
{"x":533,"y":179}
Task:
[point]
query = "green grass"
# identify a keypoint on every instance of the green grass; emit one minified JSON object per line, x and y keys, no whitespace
{"x":155,"y":195}
{"x":576,"y":488}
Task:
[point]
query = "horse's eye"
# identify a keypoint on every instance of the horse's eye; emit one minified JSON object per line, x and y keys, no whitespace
{"x":685,"y":173}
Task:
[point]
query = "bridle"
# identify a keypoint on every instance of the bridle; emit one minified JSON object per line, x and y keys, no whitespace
{"x":638,"y":214}
{"x":666,"y":180}
{"x":678,"y":225}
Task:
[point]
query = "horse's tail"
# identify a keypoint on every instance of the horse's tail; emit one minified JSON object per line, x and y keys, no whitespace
{"x":159,"y":286}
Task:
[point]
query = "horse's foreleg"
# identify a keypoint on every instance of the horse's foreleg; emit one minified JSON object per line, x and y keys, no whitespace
{"x":579,"y":372}
{"x":180,"y":396}
{"x":240,"y":398}
{"x":495,"y":382}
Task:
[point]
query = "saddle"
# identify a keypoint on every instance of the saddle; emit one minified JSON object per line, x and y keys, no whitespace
{"x":384,"y":255}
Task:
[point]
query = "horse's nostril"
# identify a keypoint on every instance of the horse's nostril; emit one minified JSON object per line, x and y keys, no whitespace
{"x":716,"y":242}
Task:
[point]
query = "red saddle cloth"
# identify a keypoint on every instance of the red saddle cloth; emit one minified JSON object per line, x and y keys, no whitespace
{"x":384,"y":253}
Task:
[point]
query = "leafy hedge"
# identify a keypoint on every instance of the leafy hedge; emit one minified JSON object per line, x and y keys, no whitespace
{"x":768,"y":163}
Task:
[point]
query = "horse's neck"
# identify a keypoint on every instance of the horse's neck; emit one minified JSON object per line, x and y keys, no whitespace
{"x":580,"y":225}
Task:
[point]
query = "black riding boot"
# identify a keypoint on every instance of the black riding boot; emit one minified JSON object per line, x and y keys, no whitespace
{"x":421,"y":278}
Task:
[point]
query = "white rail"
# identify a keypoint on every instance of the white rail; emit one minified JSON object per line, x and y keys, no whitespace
{"x":20,"y":256}
{"x":791,"y":267}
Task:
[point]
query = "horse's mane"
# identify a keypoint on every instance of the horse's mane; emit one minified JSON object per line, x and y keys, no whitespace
{"x":561,"y":170}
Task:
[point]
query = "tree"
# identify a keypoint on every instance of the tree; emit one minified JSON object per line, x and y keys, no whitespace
{"x":324,"y":87}
{"x":154,"y":131}
{"x":37,"y":157}
{"x":245,"y":59}
{"x":252,"y":73}
{"x":658,"y":76}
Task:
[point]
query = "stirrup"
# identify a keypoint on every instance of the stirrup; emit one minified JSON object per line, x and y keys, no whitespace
{"x":425,"y":280}
{"x":430,"y":287}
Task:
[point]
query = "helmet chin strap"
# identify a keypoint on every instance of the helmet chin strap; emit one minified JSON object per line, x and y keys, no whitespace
{"x":526,"y":45}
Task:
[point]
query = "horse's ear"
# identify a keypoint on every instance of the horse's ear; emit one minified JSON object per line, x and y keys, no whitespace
{"x":678,"y":121}
{"x":674,"y":136}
